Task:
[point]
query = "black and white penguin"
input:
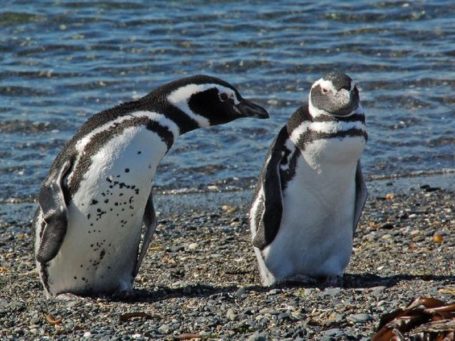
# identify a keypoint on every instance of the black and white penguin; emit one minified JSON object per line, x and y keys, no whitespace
{"x":311,"y":192}
{"x":95,"y":217}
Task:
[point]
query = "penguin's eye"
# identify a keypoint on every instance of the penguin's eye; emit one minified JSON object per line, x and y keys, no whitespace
{"x":223,"y":97}
{"x":324,"y":91}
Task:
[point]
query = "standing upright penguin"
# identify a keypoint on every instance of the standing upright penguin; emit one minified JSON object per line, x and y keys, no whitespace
{"x":311,"y":192}
{"x":95,"y":217}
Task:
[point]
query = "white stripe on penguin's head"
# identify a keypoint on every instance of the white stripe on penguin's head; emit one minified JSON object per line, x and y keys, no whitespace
{"x":181,"y":97}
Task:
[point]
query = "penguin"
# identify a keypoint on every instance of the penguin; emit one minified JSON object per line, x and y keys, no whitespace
{"x":95,"y":217}
{"x":311,"y":192}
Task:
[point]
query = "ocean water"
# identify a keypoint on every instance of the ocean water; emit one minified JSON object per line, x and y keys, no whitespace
{"x":62,"y":61}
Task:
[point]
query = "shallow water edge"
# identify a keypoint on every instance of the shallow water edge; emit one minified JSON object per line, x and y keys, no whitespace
{"x":19,"y":211}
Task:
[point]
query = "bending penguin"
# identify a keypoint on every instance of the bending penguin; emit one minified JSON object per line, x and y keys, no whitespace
{"x":95,"y":218}
{"x":311,"y":191}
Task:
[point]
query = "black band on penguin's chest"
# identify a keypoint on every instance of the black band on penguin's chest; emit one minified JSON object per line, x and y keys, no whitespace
{"x":290,"y":157}
{"x":303,"y":115}
{"x":312,"y":135}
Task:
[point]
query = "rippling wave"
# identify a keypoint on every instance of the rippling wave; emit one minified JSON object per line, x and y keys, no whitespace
{"x":64,"y":61}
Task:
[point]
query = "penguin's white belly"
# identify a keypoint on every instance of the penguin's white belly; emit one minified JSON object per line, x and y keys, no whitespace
{"x":100,"y":248}
{"x":316,"y":231}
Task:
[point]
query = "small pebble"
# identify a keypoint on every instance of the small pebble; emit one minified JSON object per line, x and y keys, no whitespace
{"x":229,"y":209}
{"x":330,"y":291}
{"x":257,"y":337}
{"x":359,"y":318}
{"x":164,"y":329}
{"x":240,"y":292}
{"x":334,"y":332}
{"x":192,"y":246}
{"x":389,"y":196}
{"x":216,"y":294}
{"x":230,"y":314}
{"x":438,"y":238}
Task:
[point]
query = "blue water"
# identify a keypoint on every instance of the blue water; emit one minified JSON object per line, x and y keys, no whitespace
{"x":62,"y":61}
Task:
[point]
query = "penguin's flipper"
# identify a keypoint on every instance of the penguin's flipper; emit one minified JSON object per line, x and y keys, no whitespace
{"x":271,"y":205}
{"x":149,"y":228}
{"x":54,"y":213}
{"x":361,"y":194}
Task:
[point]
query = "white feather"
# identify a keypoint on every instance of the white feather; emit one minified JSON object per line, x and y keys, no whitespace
{"x":315,"y":235}
{"x":87,"y":238}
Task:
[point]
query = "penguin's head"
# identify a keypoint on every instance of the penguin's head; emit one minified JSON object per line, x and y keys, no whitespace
{"x":212,"y":101}
{"x":334,"y":94}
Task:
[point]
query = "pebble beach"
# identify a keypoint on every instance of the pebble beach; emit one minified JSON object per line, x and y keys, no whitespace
{"x":63,"y":61}
{"x":199,"y":280}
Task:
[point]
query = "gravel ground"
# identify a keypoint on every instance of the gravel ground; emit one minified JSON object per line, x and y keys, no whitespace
{"x":199,"y":280}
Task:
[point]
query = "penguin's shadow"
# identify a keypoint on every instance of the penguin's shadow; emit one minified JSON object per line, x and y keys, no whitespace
{"x":366,"y":280}
{"x":350,"y":281}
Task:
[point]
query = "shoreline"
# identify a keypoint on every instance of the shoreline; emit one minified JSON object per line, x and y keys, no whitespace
{"x":199,"y":279}
{"x":377,"y":185}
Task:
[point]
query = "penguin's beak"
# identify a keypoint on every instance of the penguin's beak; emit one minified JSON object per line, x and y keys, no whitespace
{"x":249,"y":109}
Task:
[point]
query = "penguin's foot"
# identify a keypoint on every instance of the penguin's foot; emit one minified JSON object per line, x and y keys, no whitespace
{"x":68,"y":296}
{"x":124,"y":294}
{"x":297,"y":280}
{"x":332,"y":281}
{"x":305,"y":280}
